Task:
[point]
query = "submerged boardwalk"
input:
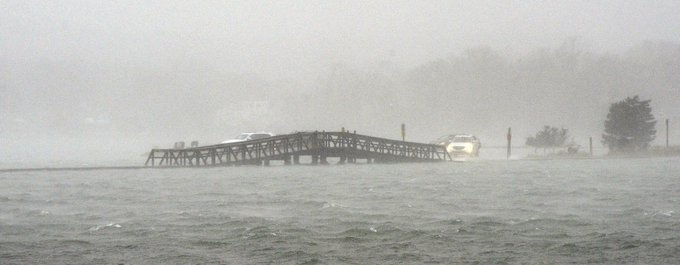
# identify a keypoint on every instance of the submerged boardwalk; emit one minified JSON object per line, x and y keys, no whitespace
{"x":347,"y":147}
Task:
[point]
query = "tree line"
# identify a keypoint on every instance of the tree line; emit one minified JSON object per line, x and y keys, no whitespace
{"x":629,"y":127}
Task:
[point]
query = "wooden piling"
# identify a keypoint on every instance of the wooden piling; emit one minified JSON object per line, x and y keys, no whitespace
{"x":509,"y":136}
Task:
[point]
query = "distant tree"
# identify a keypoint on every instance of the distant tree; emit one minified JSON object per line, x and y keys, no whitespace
{"x":549,"y":137}
{"x":629,"y":125}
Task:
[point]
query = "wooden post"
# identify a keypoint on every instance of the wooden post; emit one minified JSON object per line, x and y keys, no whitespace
{"x":151,"y":158}
{"x":591,"y":146}
{"x":666,"y":133}
{"x":403,"y":132}
{"x":509,"y":136}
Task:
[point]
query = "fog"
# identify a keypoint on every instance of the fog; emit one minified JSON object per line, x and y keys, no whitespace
{"x":86,"y":81}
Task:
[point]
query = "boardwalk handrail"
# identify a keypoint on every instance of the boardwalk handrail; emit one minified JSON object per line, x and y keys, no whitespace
{"x":318,"y":145}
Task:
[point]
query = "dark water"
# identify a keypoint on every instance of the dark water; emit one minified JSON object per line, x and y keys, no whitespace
{"x":569,"y":211}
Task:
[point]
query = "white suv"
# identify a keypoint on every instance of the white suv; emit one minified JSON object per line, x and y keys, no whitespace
{"x":249,"y":136}
{"x":464,"y":145}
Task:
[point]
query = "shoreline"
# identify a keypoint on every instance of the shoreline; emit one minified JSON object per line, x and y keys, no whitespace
{"x":10,"y":170}
{"x":528,"y":158}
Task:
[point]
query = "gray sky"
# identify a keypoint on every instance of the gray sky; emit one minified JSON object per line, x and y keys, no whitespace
{"x":76,"y":75}
{"x":282,"y":38}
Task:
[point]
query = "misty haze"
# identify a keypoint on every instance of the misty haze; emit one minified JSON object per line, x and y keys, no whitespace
{"x":590,"y":172}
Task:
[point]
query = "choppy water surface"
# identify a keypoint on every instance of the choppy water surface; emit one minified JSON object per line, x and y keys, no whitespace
{"x":567,"y":211}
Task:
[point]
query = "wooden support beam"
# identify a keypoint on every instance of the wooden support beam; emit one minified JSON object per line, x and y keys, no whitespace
{"x":319,"y":145}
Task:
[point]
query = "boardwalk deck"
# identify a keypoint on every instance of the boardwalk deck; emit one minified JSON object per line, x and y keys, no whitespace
{"x":348,"y":147}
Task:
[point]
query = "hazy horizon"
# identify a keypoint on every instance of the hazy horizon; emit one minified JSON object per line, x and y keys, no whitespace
{"x":101,"y":81}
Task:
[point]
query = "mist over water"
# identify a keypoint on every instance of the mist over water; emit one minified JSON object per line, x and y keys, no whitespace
{"x":85,"y":83}
{"x":613,"y":211}
{"x":90,"y":82}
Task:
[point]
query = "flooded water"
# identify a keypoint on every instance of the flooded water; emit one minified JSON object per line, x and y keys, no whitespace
{"x":609,"y":211}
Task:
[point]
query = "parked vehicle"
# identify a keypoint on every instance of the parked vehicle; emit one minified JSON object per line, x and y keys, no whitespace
{"x":460,"y":144}
{"x":249,"y":136}
{"x":464,"y":145}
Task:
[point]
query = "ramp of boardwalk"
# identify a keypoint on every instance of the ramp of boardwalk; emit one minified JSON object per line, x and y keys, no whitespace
{"x":348,"y":147}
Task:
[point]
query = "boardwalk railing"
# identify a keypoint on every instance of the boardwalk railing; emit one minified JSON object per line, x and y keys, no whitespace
{"x":348,"y":147}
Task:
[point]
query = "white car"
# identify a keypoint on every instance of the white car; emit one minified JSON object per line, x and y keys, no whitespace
{"x":464,"y":145}
{"x":249,"y":136}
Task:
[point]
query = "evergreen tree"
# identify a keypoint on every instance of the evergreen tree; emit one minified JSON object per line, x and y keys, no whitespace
{"x":629,"y":125}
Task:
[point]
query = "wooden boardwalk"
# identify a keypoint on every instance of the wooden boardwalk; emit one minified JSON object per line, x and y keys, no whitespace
{"x":347,"y":147}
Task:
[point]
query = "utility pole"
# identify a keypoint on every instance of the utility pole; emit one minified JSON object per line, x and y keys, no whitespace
{"x":666,"y":133}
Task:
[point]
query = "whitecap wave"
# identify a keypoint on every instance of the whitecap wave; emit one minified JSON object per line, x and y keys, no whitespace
{"x":109,"y":225}
{"x":664,"y":213}
{"x":331,"y":205}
